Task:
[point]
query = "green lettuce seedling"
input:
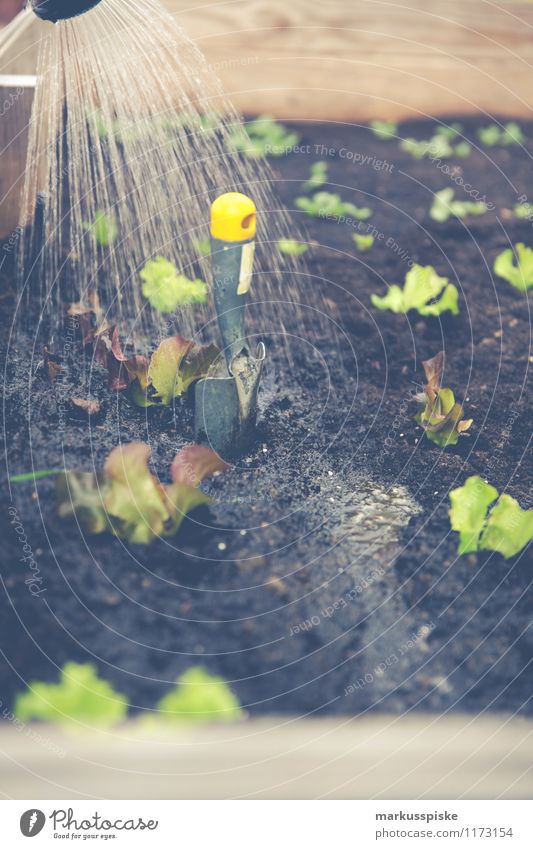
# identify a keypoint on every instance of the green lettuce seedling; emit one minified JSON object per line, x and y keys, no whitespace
{"x":174,"y":366}
{"x":492,"y":135}
{"x":317,"y":178}
{"x":79,"y":697}
{"x":520,"y":275}
{"x":166,"y":289}
{"x":523,"y":210}
{"x":103,"y":228}
{"x":329,"y":205}
{"x":384,"y":129}
{"x":262,"y":137}
{"x":290,"y":247}
{"x":127,"y":500}
{"x":423,"y":291}
{"x":449,"y":131}
{"x":506,"y":528}
{"x":200,"y":697}
{"x":444,"y":205}
{"x":363,"y":242}
{"x":439,"y":414}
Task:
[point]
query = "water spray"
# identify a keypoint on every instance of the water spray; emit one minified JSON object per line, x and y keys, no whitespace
{"x":59,"y":10}
{"x":225,"y":402}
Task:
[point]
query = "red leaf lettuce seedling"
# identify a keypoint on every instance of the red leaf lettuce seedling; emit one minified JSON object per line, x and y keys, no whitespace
{"x":422,"y":287}
{"x":129,"y":501}
{"x":439,"y":414}
{"x":520,"y":275}
{"x":505,"y":528}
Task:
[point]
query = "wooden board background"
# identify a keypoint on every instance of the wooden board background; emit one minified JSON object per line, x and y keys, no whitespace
{"x":386,"y":757}
{"x":339,"y":60}
{"x":354,"y":59}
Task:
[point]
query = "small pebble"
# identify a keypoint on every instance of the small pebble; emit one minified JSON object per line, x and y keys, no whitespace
{"x":242,"y":533}
{"x":221,"y":546}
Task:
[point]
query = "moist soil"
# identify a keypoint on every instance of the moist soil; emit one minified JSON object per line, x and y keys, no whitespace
{"x":324,"y":576}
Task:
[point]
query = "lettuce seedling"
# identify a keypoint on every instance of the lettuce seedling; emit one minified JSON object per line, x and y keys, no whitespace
{"x":449,"y":131}
{"x":79,"y":697}
{"x":362,"y":242}
{"x":445,"y":206}
{"x":127,"y":500}
{"x":438,"y":146}
{"x":174,"y":366}
{"x":317,"y":178}
{"x":506,"y":528}
{"x":423,"y":291}
{"x":523,"y":210}
{"x":262,"y":137}
{"x":329,"y":205}
{"x":439,"y":414}
{"x":200,"y":697}
{"x":166,"y":289}
{"x":384,"y":129}
{"x":492,"y":135}
{"x":108,"y":353}
{"x":103,"y":227}
{"x":520,"y":275}
{"x":290,"y":247}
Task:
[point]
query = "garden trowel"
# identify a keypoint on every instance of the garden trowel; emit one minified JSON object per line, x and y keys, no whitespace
{"x":225,"y":400}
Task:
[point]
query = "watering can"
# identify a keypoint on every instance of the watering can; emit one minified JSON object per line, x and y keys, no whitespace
{"x":58,"y":10}
{"x":225,"y":401}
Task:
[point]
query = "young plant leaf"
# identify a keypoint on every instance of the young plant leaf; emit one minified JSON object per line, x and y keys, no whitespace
{"x":103,"y":228}
{"x":506,"y":528}
{"x":290,"y":247}
{"x":108,"y":353}
{"x":449,"y":131}
{"x":129,"y":501}
{"x":423,"y":291}
{"x":134,"y":498}
{"x":166,"y":289}
{"x":469,"y":504}
{"x":80,"y":496}
{"x":523,"y":210}
{"x":27,"y":477}
{"x":520,"y":275}
{"x":439,"y":414}
{"x":384,"y":129}
{"x":173,"y":367}
{"x":362,"y":242}
{"x":262,"y":137}
{"x":329,"y":205}
{"x":318,"y":177}
{"x":200,"y":697}
{"x":79,"y":697}
{"x":444,"y":206}
{"x":492,"y":135}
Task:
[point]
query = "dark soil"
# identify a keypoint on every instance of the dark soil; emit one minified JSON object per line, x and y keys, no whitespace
{"x":282,"y":586}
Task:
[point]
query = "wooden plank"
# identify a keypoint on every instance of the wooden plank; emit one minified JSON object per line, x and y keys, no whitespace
{"x":16,"y":98}
{"x":334,"y":61}
{"x":415,"y":756}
